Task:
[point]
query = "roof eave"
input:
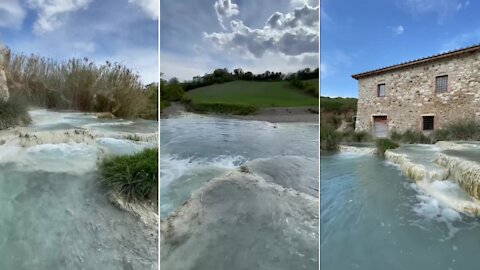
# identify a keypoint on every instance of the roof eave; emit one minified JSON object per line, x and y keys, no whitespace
{"x":417,"y":62}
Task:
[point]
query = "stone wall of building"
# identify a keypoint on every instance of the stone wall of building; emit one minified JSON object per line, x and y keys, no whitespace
{"x":410,"y":94}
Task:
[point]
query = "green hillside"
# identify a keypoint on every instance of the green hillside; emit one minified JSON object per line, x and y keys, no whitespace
{"x":252,"y":93}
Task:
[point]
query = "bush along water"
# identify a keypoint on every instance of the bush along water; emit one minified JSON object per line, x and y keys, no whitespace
{"x":456,"y":131}
{"x":351,"y":135}
{"x":134,"y":177}
{"x":459,"y":130}
{"x":219,"y":108}
{"x":383,"y":145}
{"x":13,"y":112}
{"x":410,"y":137}
{"x":329,"y":138}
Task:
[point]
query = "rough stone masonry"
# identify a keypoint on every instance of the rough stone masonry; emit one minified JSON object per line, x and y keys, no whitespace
{"x":422,"y":95}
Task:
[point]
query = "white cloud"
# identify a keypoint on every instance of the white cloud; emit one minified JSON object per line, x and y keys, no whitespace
{"x":140,"y":60}
{"x":197,"y":66}
{"x":149,"y":7}
{"x":326,"y":20}
{"x":334,"y":61}
{"x":225,"y":9}
{"x":278,"y":63}
{"x":463,"y":6}
{"x":108,"y":30}
{"x":301,"y":3}
{"x":84,"y":46}
{"x":461,"y":40}
{"x":323,"y":69}
{"x":290,"y":34}
{"x":11,"y":14}
{"x":52,"y":13}
{"x":397,"y":30}
{"x":443,"y":8}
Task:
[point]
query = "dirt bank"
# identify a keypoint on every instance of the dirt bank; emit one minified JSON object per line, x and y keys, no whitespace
{"x":272,"y":115}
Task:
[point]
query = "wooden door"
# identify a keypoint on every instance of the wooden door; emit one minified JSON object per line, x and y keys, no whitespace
{"x":380,"y":126}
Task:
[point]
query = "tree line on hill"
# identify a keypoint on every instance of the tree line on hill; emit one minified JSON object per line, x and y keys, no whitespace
{"x":173,"y":89}
{"x":222,"y":75}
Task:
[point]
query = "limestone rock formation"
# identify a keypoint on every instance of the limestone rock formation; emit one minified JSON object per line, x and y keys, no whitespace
{"x":3,"y":85}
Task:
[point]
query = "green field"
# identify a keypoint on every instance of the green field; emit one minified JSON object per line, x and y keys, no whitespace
{"x":252,"y":93}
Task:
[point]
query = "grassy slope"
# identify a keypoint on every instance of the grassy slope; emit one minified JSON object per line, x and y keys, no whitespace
{"x":259,"y":94}
{"x":338,"y":105}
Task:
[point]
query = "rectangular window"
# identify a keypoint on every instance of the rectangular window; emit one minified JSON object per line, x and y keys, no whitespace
{"x":441,"y":84}
{"x":428,"y":122}
{"x":381,"y":90}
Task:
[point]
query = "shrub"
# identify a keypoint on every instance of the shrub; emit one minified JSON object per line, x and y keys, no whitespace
{"x":220,"y":108}
{"x":351,"y":136}
{"x":458,"y":130}
{"x":135,"y":177}
{"x":338,"y":105}
{"x":384,"y":144}
{"x":13,"y":113}
{"x":395,"y":136}
{"x":361,"y":136}
{"x":329,"y":138}
{"x":151,"y":110}
{"x":410,"y":137}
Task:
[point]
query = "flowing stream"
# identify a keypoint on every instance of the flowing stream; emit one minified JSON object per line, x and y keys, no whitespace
{"x":54,"y":212}
{"x":218,"y":216}
{"x":373,"y":217}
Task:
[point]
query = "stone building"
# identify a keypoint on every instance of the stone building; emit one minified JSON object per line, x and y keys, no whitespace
{"x":422,"y":95}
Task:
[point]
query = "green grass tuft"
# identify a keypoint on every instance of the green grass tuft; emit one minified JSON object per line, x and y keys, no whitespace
{"x":384,"y":144}
{"x":135,"y":177}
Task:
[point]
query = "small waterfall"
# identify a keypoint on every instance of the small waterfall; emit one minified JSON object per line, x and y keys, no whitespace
{"x":466,"y":173}
{"x":461,"y":178}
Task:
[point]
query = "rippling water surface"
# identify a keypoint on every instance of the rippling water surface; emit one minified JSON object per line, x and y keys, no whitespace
{"x":216,"y":217}
{"x":54,"y":213}
{"x":372,"y":218}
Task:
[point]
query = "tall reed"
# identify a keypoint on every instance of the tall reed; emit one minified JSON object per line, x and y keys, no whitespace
{"x":76,"y":84}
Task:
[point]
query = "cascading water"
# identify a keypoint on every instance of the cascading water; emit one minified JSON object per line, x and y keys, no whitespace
{"x":238,"y":194}
{"x":55,"y":213}
{"x":403,"y":213}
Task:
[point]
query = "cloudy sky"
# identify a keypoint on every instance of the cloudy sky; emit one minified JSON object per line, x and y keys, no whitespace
{"x":358,"y":36}
{"x":124,"y":31}
{"x":198,"y":36}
